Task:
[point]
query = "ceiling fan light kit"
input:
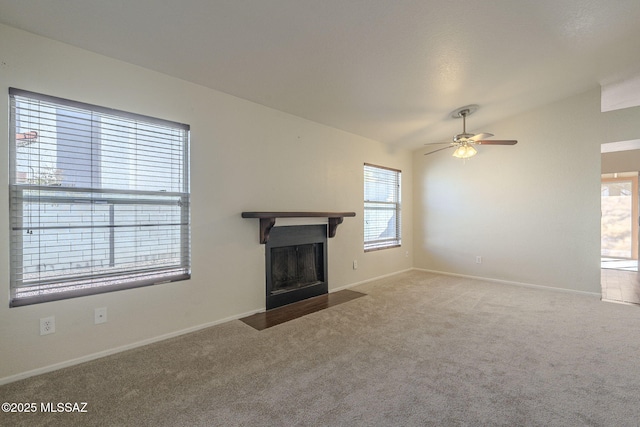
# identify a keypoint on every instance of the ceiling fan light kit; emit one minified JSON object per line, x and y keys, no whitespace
{"x":464,"y":152}
{"x":464,"y":142}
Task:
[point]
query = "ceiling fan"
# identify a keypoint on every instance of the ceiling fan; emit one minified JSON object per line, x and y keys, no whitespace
{"x":464,"y":142}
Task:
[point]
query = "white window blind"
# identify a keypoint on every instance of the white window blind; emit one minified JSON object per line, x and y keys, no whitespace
{"x":99,"y":199}
{"x":381,"y":207}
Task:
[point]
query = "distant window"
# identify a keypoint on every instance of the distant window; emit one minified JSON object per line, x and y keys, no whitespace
{"x":99,"y":199}
{"x":381,"y":207}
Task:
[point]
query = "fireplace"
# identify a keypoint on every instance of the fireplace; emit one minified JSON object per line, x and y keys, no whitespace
{"x":296,"y":264}
{"x":296,"y":256}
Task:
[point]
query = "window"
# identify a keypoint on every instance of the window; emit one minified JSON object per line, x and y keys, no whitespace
{"x":99,"y":199}
{"x":381,"y":207}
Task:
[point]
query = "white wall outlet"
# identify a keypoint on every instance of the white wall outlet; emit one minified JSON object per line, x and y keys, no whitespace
{"x":478,"y":259}
{"x":406,"y":254}
{"x":100,"y":315}
{"x":355,"y":264}
{"x":47,"y":325}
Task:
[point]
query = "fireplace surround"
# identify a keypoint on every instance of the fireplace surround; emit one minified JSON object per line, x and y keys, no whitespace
{"x":295,"y":264}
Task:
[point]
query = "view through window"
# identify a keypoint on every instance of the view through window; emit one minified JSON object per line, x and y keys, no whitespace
{"x":99,"y":199}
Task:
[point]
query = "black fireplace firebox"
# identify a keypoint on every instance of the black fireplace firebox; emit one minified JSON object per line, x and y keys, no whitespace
{"x":296,"y":264}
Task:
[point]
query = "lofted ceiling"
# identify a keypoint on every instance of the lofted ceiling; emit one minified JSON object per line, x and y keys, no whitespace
{"x":389,"y":70}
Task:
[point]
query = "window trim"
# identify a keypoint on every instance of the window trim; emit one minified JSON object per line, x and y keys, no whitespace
{"x":182,"y":270}
{"x":396,"y":241}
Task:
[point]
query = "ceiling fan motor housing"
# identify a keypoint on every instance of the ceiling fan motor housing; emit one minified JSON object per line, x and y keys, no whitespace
{"x":462,"y":137}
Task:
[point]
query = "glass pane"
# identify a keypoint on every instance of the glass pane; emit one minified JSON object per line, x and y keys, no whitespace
{"x":617,"y":221}
{"x":295,"y":267}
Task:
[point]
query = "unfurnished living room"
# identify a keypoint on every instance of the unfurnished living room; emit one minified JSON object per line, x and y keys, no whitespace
{"x":327,"y":213}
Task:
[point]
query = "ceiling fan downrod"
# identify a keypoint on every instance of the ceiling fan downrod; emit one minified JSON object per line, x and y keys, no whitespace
{"x":463,"y":114}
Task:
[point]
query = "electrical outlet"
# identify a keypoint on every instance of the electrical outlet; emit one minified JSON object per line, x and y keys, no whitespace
{"x":406,"y":254}
{"x":355,"y":264}
{"x":100,"y":315}
{"x":47,"y":325}
{"x":478,"y":259}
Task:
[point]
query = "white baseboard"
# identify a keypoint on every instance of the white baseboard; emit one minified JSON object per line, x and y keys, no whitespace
{"x":512,"y":283}
{"x":108,"y":352}
{"x":351,"y":285}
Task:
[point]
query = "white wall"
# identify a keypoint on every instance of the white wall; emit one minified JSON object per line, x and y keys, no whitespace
{"x":532,"y":210}
{"x":244,"y":157}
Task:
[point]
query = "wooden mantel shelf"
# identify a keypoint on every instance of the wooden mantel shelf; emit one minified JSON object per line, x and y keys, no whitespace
{"x":268,"y":220}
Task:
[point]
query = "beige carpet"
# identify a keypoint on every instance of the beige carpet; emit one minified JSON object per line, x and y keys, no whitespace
{"x":420,"y":349}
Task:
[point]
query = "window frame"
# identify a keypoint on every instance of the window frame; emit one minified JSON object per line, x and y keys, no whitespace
{"x":24,"y":194}
{"x":395,"y":205}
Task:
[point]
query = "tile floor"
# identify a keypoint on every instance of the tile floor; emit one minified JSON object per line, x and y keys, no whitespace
{"x":620,"y":285}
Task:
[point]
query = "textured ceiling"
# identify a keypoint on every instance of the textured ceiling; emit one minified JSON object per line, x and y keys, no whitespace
{"x":389,"y":70}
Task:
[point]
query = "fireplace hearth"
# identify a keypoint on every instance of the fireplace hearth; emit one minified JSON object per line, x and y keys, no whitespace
{"x":296,"y":264}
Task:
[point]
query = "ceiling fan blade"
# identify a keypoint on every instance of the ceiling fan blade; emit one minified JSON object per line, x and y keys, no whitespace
{"x":497,"y":142}
{"x":439,"y":149}
{"x":436,"y":143}
{"x":480,"y":136}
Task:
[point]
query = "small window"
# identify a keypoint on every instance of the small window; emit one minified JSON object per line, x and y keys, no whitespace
{"x":381,"y":207}
{"x":99,"y":199}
